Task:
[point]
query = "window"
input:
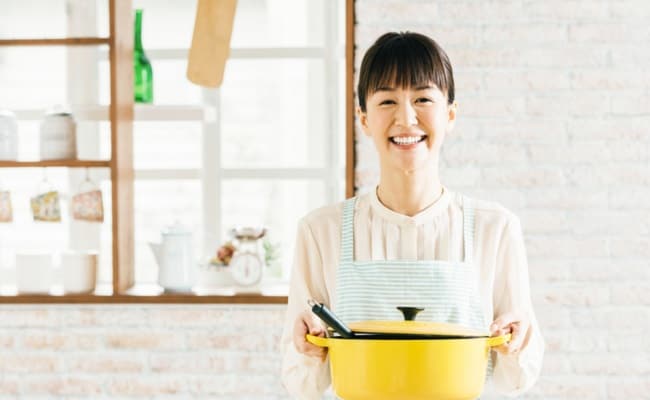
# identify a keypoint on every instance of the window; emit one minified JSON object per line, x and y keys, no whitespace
{"x":264,"y":149}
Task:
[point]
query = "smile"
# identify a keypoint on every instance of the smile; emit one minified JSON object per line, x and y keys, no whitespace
{"x":407,"y":140}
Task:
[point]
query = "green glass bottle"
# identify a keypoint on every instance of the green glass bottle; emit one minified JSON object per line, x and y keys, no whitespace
{"x":142,"y":71}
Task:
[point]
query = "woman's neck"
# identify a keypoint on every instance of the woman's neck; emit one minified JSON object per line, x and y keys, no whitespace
{"x":409,"y":193}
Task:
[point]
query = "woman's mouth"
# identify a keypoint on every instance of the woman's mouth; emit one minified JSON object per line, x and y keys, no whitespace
{"x":407,"y":141}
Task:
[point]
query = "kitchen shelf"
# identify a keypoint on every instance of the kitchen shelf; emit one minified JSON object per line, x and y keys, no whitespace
{"x":142,"y":112}
{"x":153,"y":299}
{"x":120,"y":114}
{"x":56,"y":163}
{"x":273,"y":293}
{"x":73,"y":41}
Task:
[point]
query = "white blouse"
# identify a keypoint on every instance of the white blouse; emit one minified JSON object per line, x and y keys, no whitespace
{"x":435,"y":233}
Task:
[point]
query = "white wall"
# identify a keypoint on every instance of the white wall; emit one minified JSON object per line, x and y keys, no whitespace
{"x":554,"y":123}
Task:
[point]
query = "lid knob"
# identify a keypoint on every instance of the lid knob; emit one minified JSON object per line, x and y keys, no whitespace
{"x":410,"y":312}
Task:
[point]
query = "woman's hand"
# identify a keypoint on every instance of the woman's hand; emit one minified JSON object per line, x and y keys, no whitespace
{"x":305,"y":323}
{"x":516,"y":324}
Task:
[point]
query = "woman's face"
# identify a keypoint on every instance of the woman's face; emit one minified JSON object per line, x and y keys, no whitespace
{"x":408,"y":125}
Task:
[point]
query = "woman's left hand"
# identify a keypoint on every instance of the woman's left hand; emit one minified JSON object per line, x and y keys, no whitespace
{"x":516,"y":324}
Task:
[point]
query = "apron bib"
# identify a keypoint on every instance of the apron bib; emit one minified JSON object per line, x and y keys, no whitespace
{"x":371,"y":290}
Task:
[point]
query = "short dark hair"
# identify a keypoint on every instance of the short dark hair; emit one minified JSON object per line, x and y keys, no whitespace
{"x":405,"y":59}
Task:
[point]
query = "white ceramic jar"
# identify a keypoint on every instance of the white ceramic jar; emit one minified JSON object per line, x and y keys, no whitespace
{"x":34,"y":273}
{"x":58,"y":136}
{"x":8,"y":136}
{"x":79,"y":271}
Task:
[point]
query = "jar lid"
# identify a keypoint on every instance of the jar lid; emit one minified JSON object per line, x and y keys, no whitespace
{"x":58,"y":110}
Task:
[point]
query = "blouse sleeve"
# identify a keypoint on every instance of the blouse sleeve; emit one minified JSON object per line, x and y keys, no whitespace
{"x":304,"y":377}
{"x":515,"y":373}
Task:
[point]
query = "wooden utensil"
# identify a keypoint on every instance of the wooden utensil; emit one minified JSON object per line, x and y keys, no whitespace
{"x":211,"y":41}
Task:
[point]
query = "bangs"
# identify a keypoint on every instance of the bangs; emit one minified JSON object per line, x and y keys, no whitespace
{"x":406,"y":60}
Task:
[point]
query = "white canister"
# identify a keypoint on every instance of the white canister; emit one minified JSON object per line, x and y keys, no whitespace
{"x":8,"y":136}
{"x":58,"y":140}
{"x":79,"y":272}
{"x":33,"y":273}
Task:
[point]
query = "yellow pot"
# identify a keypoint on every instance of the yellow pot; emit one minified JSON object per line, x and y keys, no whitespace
{"x":408,"y":369}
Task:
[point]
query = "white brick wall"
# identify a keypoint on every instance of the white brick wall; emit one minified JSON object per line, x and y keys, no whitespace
{"x":554,"y":123}
{"x":140,"y":352}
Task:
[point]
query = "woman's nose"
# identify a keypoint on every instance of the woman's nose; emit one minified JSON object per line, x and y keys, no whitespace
{"x":406,"y":115}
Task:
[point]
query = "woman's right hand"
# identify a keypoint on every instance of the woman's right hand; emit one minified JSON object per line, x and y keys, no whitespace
{"x":307,"y":324}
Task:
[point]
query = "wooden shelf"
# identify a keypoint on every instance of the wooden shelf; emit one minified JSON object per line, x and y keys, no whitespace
{"x":133,"y":299}
{"x":56,"y":163}
{"x":142,"y":112}
{"x":272,"y":293}
{"x":78,"y":41}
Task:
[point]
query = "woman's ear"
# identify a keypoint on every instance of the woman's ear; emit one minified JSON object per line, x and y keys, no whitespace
{"x":452,"y":112}
{"x":363,"y":121}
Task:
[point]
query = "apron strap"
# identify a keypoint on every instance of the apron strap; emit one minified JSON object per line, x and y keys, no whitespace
{"x":468,"y":229}
{"x":347,"y":231}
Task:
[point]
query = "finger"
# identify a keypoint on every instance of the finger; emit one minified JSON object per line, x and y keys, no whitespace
{"x":519,"y":332}
{"x":309,"y":349}
{"x":515,"y":343}
{"x":503,"y":321}
{"x":316,"y":331}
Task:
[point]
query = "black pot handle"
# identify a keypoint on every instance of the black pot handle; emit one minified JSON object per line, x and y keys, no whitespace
{"x":331,"y":320}
{"x":410,"y":312}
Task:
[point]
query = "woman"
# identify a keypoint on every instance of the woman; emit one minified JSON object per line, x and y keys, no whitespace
{"x":461,"y":259}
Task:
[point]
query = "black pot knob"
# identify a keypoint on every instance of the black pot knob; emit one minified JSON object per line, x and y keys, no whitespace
{"x":410,"y":312}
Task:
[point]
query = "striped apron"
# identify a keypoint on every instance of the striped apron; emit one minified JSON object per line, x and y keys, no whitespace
{"x":371,"y":290}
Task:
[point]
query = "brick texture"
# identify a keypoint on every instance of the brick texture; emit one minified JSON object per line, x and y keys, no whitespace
{"x":141,"y":352}
{"x":554,"y":123}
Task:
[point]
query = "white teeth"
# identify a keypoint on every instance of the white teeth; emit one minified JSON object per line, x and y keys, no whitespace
{"x":406,"y":139}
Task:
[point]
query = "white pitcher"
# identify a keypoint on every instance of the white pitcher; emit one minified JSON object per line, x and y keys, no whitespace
{"x":175,"y":258}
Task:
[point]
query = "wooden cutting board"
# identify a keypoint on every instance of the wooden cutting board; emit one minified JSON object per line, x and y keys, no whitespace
{"x":211,"y":41}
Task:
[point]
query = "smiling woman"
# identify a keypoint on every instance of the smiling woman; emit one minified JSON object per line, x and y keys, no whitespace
{"x":411,"y":242}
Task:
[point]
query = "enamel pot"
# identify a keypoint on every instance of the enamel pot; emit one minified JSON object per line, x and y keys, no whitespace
{"x":406,"y":360}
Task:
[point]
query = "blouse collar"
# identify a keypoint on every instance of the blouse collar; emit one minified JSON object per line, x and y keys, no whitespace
{"x":422,"y":217}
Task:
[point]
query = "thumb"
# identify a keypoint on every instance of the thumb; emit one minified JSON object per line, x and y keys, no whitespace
{"x":314,"y":327}
{"x":315,"y":330}
{"x":502,"y":322}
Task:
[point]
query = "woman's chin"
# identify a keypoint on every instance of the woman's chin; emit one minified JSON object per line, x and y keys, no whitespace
{"x":411,"y":163}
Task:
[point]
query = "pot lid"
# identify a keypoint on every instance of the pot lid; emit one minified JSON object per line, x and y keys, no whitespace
{"x":411,"y":327}
{"x":415,"y":328}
